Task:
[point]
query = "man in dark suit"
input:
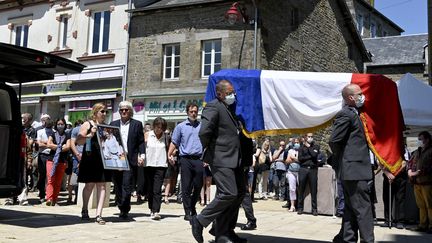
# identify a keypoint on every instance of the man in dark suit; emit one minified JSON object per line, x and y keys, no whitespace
{"x":132,"y":135}
{"x":227,"y":150}
{"x":353,"y":168}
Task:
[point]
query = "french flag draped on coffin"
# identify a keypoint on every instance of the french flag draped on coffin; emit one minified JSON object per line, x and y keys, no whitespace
{"x":285,"y":102}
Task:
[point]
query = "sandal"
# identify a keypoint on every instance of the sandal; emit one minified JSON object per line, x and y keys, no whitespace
{"x":100,"y":220}
{"x":292,"y":209}
{"x":166,"y":201}
{"x":84,"y":215}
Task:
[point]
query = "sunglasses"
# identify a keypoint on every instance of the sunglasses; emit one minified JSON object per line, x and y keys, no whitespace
{"x":124,"y":110}
{"x":103,"y":111}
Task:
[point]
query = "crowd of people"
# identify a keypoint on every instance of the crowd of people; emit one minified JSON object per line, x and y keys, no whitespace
{"x":213,"y":150}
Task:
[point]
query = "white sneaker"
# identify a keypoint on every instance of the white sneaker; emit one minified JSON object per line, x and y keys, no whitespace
{"x":156,"y":216}
{"x":152,"y":215}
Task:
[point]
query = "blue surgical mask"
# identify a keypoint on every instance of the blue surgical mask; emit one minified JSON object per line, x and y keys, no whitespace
{"x":296,"y":146}
{"x":230,"y":99}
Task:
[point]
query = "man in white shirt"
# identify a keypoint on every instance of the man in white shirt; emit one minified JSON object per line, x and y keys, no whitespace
{"x":133,"y":144}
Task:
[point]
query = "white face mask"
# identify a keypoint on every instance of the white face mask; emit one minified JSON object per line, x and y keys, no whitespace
{"x":230,"y":99}
{"x":360,"y":101}
{"x":310,"y":140}
{"x":419,"y":143}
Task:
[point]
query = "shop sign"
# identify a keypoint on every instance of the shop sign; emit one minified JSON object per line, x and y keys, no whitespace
{"x":170,"y":105}
{"x":56,"y":87}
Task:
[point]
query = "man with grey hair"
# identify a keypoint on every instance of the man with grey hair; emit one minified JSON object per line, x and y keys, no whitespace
{"x":132,"y":137}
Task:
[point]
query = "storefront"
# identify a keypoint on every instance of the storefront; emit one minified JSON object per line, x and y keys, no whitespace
{"x":171,"y":108}
{"x":72,"y":96}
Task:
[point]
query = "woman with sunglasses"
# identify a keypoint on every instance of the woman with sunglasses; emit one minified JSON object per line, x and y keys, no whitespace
{"x":91,"y":170}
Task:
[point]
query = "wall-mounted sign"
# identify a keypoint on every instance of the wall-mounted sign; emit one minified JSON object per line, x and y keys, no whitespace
{"x":171,"y":106}
{"x":56,"y":87}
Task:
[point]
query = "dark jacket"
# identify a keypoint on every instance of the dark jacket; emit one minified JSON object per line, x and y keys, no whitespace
{"x":349,"y":146}
{"x":308,"y":156}
{"x":220,"y":134}
{"x":135,"y":143}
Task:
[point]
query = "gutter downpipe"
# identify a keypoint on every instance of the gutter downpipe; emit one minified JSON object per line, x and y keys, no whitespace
{"x":127,"y":53}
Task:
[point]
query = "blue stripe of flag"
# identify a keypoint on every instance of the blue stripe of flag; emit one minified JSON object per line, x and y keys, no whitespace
{"x":248,"y":89}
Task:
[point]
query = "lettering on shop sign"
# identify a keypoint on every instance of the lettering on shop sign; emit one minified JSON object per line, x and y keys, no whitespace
{"x":172,"y":106}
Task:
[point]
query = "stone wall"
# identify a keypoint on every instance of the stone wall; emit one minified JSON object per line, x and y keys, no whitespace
{"x":317,"y":41}
{"x":395,"y":72}
{"x":150,"y":31}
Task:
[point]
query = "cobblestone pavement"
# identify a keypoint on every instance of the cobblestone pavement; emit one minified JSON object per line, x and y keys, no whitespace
{"x":40,"y":223}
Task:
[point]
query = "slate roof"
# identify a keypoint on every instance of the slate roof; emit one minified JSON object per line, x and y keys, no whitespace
{"x":393,"y":50}
{"x":175,"y":3}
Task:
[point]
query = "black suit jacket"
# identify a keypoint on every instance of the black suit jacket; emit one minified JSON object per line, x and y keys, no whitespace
{"x":221,"y":137}
{"x":349,"y":146}
{"x":135,"y":143}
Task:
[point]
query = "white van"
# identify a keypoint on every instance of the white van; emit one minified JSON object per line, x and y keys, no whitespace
{"x":19,"y":65}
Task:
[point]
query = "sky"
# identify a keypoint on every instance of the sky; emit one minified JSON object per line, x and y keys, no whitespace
{"x":410,"y":15}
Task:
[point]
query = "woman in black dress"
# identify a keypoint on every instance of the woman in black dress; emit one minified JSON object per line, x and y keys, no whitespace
{"x":92,"y":172}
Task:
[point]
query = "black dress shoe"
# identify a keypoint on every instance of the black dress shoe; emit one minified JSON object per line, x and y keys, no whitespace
{"x":249,"y":226}
{"x":299,"y":211}
{"x":123,"y":215}
{"x":339,"y":215}
{"x":187,"y":217}
{"x":315,"y":212}
{"x":224,"y":239}
{"x":197,"y":229}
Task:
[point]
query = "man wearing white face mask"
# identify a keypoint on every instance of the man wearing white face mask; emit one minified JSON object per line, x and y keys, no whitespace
{"x":352,"y":164}
{"x":227,"y":151}
{"x":308,"y":172}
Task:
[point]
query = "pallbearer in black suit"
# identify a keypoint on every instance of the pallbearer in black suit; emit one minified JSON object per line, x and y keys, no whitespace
{"x":133,"y":141}
{"x":227,"y":151}
{"x":353,"y":168}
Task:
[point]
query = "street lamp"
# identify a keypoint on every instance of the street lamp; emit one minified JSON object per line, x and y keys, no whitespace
{"x":236,"y":14}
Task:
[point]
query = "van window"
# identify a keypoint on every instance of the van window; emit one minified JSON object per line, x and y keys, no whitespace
{"x":5,"y":107}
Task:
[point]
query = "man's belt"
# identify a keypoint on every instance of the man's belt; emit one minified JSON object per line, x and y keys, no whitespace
{"x":194,"y":157}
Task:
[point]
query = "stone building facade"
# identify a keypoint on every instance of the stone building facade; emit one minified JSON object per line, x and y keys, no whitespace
{"x":316,"y":35}
{"x":92,"y":32}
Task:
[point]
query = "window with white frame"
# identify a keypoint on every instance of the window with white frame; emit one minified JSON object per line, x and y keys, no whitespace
{"x":63,"y":31}
{"x":373,"y":30}
{"x":100,"y":32}
{"x":211,"y":57}
{"x":360,"y":24}
{"x":21,"y":35}
{"x":171,"y":62}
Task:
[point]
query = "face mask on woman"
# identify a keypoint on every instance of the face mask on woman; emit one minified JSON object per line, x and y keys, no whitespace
{"x":296,"y":146}
{"x":60,"y":128}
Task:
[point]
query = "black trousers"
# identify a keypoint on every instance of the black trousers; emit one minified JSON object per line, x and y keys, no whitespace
{"x":191,"y":182}
{"x":247,"y":202}
{"x":154,"y":177}
{"x":308,"y":175}
{"x":358,"y":212}
{"x":224,"y":208}
{"x":41,"y":184}
{"x":124,"y":184}
{"x":139,"y":178}
{"x":398,"y":189}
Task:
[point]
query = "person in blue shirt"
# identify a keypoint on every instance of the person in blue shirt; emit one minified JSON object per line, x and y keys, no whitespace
{"x":185,"y":139}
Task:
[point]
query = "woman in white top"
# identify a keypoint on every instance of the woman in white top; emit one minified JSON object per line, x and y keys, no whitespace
{"x":292,"y":175}
{"x":264,"y":159}
{"x":156,"y":164}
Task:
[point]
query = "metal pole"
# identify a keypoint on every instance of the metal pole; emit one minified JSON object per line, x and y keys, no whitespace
{"x":255,"y":36}
{"x":390,"y":206}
